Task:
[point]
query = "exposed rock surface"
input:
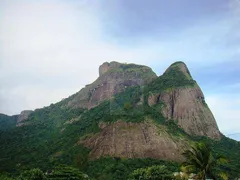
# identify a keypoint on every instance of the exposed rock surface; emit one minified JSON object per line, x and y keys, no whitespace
{"x":24,"y":115}
{"x":187,"y":106}
{"x":113,"y":78}
{"x":135,"y":140}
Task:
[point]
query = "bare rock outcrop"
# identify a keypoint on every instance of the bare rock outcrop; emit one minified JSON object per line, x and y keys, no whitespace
{"x":186,"y":105}
{"x":135,"y":140}
{"x":113,"y":78}
{"x":106,"y":66}
{"x":22,"y":117}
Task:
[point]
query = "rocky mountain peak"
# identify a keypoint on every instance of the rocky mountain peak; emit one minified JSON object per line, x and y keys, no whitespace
{"x":114,"y":77}
{"x":179,"y":66}
{"x":107,"y":66}
{"x":183,"y":101}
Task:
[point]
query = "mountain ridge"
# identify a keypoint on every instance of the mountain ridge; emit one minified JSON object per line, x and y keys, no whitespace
{"x":113,"y":78}
{"x":175,"y":82}
{"x":149,"y":118}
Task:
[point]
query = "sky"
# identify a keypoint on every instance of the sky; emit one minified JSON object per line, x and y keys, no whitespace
{"x":50,"y":49}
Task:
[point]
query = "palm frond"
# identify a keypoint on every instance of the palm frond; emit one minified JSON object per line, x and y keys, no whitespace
{"x":201,"y":160}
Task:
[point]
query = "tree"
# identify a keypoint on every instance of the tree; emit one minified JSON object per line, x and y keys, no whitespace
{"x":33,"y":174}
{"x":127,"y":106}
{"x":5,"y":176}
{"x":152,"y":173}
{"x":200,"y":160}
{"x":66,"y":172}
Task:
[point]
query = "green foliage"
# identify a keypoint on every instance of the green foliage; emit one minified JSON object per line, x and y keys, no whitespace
{"x":132,"y":66}
{"x":172,"y":78}
{"x":57,"y":173}
{"x":127,"y":106}
{"x":152,"y":173}
{"x":7,"y":122}
{"x":66,"y":173}
{"x":201,"y":160}
{"x":5,"y":176}
{"x":231,"y":149}
{"x":37,"y":144}
{"x":174,"y":128}
{"x":181,"y":63}
{"x":224,"y":147}
{"x":109,"y":168}
{"x":144,"y":73}
{"x":33,"y":174}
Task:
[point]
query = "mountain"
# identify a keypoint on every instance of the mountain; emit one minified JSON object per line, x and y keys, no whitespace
{"x":184,"y":102}
{"x":113,"y":78}
{"x":128,"y":113}
{"x":179,"y":98}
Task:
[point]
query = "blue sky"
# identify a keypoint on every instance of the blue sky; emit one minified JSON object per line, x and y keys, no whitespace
{"x":50,"y":49}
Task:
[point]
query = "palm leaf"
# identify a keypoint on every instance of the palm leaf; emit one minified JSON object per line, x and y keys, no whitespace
{"x":201,"y":160}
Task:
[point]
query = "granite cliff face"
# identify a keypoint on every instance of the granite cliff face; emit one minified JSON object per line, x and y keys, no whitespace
{"x":180,"y":96}
{"x":175,"y":95}
{"x":135,"y":140}
{"x":22,"y":117}
{"x":186,"y":105}
{"x":113,"y":78}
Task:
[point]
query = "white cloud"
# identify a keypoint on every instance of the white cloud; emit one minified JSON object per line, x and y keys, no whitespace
{"x":45,"y":36}
{"x":30,"y":96}
{"x":49,"y":50}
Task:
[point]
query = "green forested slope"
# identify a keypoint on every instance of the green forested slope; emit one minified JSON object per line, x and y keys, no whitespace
{"x":7,"y":122}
